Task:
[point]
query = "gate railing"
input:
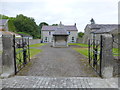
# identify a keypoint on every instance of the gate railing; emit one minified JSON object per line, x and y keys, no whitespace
{"x":21,"y":52}
{"x":94,"y":54}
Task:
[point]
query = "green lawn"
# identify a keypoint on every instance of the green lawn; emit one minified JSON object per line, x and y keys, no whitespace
{"x":37,"y":45}
{"x":34,"y":52}
{"x":83,"y":51}
{"x":79,"y":44}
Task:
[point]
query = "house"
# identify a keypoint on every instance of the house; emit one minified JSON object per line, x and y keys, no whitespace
{"x":4,"y":30}
{"x":48,"y":33}
{"x":96,"y":30}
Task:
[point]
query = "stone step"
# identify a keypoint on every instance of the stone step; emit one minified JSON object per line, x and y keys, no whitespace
{"x":58,"y":82}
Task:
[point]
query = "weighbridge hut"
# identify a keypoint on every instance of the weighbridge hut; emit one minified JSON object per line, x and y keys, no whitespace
{"x":60,"y":37}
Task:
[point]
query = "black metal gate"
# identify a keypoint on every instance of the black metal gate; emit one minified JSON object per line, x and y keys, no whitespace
{"x":95,"y":54}
{"x":21,"y":52}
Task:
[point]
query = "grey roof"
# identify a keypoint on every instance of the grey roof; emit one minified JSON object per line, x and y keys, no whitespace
{"x":67,"y":27}
{"x":60,"y":31}
{"x":102,"y":28}
{"x":115,"y":31}
{"x":3,"y":21}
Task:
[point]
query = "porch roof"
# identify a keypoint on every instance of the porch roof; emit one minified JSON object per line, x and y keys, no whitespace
{"x":60,"y":31}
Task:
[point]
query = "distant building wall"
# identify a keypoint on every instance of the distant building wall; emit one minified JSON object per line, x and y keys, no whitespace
{"x":73,"y":34}
{"x":79,"y":40}
{"x":48,"y":37}
{"x":87,"y":35}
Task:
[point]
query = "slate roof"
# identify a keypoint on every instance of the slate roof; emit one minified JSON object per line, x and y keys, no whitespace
{"x":67,"y":27}
{"x":102,"y":28}
{"x":60,"y":31}
{"x":3,"y":21}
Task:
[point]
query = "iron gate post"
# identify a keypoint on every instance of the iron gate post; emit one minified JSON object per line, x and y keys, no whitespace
{"x":25,"y":56}
{"x":89,"y":50}
{"x":14,"y":54}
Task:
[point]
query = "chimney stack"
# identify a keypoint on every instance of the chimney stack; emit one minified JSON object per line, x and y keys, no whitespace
{"x":75,"y":24}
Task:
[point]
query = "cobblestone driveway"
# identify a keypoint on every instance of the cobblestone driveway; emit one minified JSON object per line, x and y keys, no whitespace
{"x":58,"y":62}
{"x":60,"y":82}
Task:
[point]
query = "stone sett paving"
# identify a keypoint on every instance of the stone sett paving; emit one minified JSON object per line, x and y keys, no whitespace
{"x":58,"y":82}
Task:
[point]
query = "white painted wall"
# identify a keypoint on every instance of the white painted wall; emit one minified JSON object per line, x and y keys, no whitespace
{"x":72,"y":34}
{"x":45,"y":34}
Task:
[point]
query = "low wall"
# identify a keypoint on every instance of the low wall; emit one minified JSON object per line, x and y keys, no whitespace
{"x":79,"y":40}
{"x":34,"y":41}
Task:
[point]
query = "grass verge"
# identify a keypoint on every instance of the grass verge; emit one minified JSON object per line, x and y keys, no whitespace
{"x":79,"y":44}
{"x":83,"y":51}
{"x":37,"y":45}
{"x":34,"y":51}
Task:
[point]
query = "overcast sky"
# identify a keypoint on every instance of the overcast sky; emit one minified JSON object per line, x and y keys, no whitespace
{"x":67,"y":11}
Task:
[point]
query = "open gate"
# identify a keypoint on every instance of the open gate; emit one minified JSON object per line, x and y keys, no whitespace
{"x":95,"y":54}
{"x":21,"y":52}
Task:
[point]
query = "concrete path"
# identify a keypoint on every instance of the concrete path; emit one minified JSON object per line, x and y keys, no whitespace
{"x":60,"y":82}
{"x":58,"y":62}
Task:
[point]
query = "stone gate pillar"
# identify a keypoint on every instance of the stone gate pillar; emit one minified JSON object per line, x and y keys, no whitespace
{"x":7,"y":56}
{"x":1,"y":55}
{"x":107,"y":56}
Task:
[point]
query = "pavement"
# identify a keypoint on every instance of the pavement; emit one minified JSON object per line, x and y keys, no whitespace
{"x":59,"y":82}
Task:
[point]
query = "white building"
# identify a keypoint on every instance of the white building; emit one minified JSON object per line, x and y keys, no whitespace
{"x":48,"y":31}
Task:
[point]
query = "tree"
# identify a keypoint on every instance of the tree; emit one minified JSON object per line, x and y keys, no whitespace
{"x":80,"y":34}
{"x":27,"y":25}
{"x":54,"y":24}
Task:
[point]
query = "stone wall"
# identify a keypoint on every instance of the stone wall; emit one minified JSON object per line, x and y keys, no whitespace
{"x":8,"y":67}
{"x":0,"y":55}
{"x":116,"y":66}
{"x":34,"y":41}
{"x":107,"y":56}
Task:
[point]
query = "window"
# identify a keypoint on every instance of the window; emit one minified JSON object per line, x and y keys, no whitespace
{"x":49,"y":33}
{"x":69,"y":32}
{"x":46,"y":39}
{"x":72,"y":39}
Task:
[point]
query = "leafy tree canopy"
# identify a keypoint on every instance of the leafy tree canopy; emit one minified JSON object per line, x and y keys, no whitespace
{"x":80,"y":34}
{"x":27,"y":25}
{"x":54,"y":24}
